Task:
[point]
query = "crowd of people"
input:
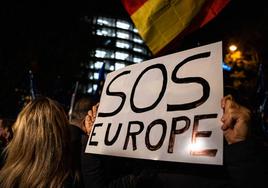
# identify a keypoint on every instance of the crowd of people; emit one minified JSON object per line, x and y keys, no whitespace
{"x":43,"y":148}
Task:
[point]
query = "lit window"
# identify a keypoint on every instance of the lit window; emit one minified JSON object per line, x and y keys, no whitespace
{"x":102,"y":32}
{"x":98,"y":64}
{"x":89,"y":90}
{"x":135,"y":30}
{"x":122,"y":35}
{"x":122,"y":45}
{"x":137,"y":60}
{"x":90,"y":76}
{"x":122,"y":25}
{"x":96,"y":75}
{"x":137,"y":49}
{"x":137,"y":40}
{"x":111,"y":68}
{"x":121,"y":55}
{"x":119,"y":66}
{"x":91,"y":66}
{"x":102,"y":22}
{"x":106,"y":32}
{"x":95,"y":86}
{"x":100,"y":53}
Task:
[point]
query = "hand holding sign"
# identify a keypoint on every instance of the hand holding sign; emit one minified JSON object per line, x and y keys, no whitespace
{"x":90,"y":118}
{"x":236,"y":120}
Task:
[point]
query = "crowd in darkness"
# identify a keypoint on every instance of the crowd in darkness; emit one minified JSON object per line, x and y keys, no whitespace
{"x":41,"y":146}
{"x":51,"y":41}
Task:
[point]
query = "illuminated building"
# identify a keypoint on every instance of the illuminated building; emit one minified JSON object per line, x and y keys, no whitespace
{"x":116,"y":44}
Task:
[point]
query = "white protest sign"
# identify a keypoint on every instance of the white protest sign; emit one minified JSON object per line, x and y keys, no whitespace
{"x":167,"y":108}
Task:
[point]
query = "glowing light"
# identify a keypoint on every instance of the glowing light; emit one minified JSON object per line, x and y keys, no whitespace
{"x":198,"y":146}
{"x":236,"y":55}
{"x":226,"y":67}
{"x":232,"y":48}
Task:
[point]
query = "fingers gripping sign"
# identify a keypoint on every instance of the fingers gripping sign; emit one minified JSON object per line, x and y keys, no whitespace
{"x":90,"y":118}
{"x":235,"y":119}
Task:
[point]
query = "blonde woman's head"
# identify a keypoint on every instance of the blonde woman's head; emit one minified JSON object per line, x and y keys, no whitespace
{"x":39,"y":154}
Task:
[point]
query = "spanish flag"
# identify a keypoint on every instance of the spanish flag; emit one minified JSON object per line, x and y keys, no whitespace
{"x":160,"y":22}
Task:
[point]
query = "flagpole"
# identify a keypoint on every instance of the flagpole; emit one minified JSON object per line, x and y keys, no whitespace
{"x":72,"y":101}
{"x":31,"y":85}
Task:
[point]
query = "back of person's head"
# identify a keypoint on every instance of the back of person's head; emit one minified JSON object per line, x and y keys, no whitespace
{"x":6,"y":133}
{"x":81,"y":107}
{"x":38,"y":155}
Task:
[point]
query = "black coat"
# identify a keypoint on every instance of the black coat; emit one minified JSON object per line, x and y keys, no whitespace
{"x":244,"y":166}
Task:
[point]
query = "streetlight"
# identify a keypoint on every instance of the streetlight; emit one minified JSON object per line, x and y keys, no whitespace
{"x":232,"y":48}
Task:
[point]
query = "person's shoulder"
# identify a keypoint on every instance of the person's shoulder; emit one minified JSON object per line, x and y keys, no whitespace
{"x":72,"y":183}
{"x":75,"y":132}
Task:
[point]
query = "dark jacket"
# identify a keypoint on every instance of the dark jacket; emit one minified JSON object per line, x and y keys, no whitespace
{"x":76,"y":147}
{"x":244,"y":166}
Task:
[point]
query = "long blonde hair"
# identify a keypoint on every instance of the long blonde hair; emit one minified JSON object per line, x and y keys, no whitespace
{"x":39,"y":153}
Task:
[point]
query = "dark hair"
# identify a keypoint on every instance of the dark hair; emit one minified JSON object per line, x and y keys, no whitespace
{"x":6,"y":124}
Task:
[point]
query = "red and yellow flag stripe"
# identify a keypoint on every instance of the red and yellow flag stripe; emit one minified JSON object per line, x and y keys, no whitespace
{"x":161,"y":21}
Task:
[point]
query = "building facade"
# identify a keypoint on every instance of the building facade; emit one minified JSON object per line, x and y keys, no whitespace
{"x":115,"y":44}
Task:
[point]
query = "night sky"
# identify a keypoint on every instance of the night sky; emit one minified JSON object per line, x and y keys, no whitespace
{"x":51,"y":40}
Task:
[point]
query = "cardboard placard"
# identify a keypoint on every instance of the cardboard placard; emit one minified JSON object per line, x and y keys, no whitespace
{"x":167,"y":108}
